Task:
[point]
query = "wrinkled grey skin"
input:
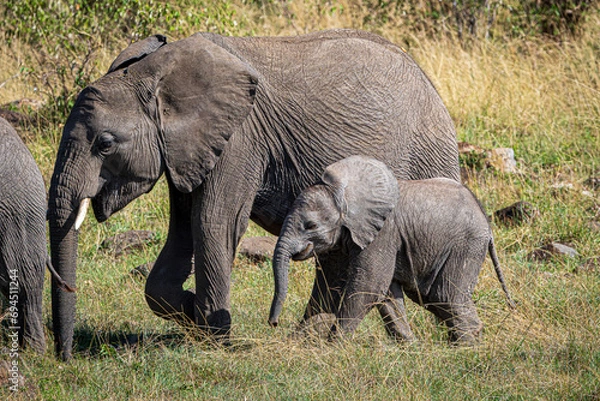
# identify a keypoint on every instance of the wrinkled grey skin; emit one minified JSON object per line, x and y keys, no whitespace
{"x":425,"y":238}
{"x":23,"y":252}
{"x":235,"y":124}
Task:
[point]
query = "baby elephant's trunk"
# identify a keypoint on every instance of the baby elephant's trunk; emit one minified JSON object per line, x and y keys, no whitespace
{"x":281,"y":264}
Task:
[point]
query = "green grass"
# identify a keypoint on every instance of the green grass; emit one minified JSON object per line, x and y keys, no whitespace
{"x":547,"y":349}
{"x":537,"y":96}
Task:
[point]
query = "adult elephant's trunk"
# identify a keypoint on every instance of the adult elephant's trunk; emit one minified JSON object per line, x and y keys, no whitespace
{"x":63,"y":205}
{"x":281,"y":265}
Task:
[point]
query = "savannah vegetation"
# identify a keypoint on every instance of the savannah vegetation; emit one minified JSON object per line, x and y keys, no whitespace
{"x":514,"y":74}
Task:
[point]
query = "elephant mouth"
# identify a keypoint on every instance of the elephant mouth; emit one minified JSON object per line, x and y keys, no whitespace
{"x":106,"y":202}
{"x":109,"y":201}
{"x":114,"y":196}
{"x":99,"y":211}
{"x":305,"y":253}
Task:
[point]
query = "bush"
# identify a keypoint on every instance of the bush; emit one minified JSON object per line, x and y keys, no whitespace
{"x":66,"y":37}
{"x":479,"y":19}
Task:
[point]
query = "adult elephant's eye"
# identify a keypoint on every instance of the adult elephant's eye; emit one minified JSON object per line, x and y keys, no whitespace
{"x":105,"y":143}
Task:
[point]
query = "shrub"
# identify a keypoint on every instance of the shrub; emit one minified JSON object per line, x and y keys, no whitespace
{"x":66,"y":37}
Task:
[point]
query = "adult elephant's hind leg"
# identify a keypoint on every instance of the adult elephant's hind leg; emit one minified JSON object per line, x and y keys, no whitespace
{"x":164,"y":288}
{"x":30,"y":305}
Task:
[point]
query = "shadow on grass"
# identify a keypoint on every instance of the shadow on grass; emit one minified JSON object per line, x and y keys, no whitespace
{"x":90,"y":342}
{"x":94,"y":343}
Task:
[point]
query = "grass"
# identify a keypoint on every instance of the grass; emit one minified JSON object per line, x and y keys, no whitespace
{"x":536,"y":96}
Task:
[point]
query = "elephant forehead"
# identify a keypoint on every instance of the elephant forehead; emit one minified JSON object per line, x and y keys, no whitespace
{"x":316,"y":201}
{"x":106,"y":111}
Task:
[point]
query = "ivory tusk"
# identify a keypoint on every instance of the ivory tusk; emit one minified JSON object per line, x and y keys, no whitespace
{"x":83,"y":207}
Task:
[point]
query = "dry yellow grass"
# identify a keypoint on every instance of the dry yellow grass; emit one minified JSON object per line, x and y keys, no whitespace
{"x":13,"y":83}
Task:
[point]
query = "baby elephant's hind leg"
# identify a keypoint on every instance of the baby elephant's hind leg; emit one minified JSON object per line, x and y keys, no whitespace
{"x":451,"y":298}
{"x":461,"y":319}
{"x":393,"y":313}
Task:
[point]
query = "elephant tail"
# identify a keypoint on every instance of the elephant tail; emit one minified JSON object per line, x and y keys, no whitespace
{"x":57,"y":278}
{"x":494,"y":256}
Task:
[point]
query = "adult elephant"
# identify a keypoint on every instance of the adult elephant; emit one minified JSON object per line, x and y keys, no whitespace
{"x":23,"y":247}
{"x":239,"y":126}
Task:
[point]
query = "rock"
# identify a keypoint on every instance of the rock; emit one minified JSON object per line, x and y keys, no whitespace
{"x":503,"y":160}
{"x":587,"y":193}
{"x":129,"y":241}
{"x":15,"y":118}
{"x":517,"y":213}
{"x":559,"y":186}
{"x":142,"y":271}
{"x":550,"y":250}
{"x":566,"y":188}
{"x":591,"y":265}
{"x":474,"y":157}
{"x":471,"y":156}
{"x":562,"y":249}
{"x":257,"y":249}
{"x":592,"y":183}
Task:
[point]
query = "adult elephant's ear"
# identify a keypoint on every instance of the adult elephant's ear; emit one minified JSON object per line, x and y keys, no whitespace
{"x":203,"y":95}
{"x":137,"y":51}
{"x":366,"y":192}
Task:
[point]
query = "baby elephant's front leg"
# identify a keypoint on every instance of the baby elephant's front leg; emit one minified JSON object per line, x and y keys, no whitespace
{"x":370,"y":273}
{"x":393,"y":313}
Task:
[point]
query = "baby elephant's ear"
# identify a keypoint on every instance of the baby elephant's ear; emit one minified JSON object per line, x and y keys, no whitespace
{"x":366,"y":191}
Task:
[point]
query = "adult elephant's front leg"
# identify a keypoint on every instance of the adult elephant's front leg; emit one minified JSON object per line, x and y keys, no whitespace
{"x":220,"y":215}
{"x":164,"y":288}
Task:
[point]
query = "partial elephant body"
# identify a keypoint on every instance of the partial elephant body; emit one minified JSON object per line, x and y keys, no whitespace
{"x":23,"y":251}
{"x":425,"y":238}
{"x":236,"y":124}
{"x":441,"y":238}
{"x":440,"y":224}
{"x":352,"y":83}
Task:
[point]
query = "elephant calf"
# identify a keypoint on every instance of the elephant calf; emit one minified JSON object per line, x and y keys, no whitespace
{"x":426,"y":239}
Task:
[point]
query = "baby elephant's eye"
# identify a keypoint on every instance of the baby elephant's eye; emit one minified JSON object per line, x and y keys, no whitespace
{"x":310,"y":225}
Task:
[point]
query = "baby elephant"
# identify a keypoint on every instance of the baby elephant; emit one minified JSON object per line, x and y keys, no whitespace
{"x":427,"y":239}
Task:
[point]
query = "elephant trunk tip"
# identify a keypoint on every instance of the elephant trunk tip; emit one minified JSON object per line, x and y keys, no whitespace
{"x":275,"y":311}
